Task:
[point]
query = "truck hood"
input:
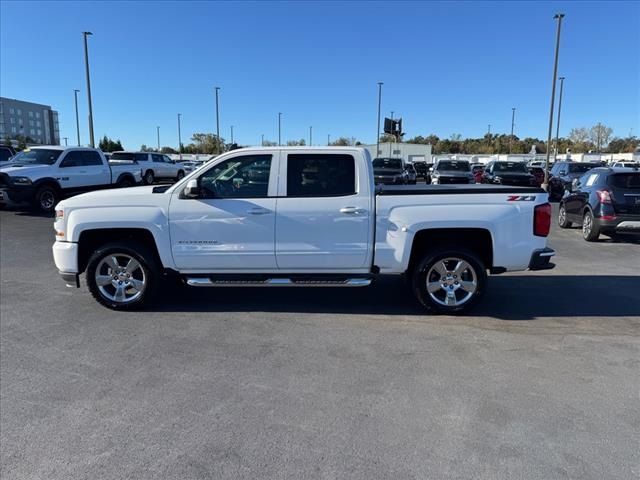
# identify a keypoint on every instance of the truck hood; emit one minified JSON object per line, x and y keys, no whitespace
{"x":34,"y":171}
{"x":113,"y":196}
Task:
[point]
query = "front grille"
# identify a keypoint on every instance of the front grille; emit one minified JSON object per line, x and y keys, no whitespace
{"x":4,"y":180}
{"x":453,"y":180}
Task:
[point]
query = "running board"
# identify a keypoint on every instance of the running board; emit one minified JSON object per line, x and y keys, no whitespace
{"x":277,"y":282}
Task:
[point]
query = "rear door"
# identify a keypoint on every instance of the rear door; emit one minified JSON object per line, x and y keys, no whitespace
{"x":324,"y":211}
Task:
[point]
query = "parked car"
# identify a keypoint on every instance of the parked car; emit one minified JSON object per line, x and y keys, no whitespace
{"x":6,"y":152}
{"x":155,"y":166}
{"x":626,"y":165}
{"x":478,"y":170}
{"x":393,"y":171}
{"x":422,"y":169}
{"x":452,"y":171}
{"x":508,"y":173}
{"x":563,"y":173}
{"x":538,"y":174}
{"x":604,"y":201}
{"x":43,"y":175}
{"x":332,"y":228}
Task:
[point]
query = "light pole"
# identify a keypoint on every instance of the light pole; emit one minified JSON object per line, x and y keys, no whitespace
{"x":158,"y":132}
{"x":310,"y":136}
{"x":217,"y":123}
{"x":513,"y":119}
{"x":262,"y":140}
{"x":75,"y":95}
{"x":394,"y":136}
{"x":328,"y":139}
{"x":279,"y":128}
{"x":489,"y":130}
{"x":65,"y":140}
{"x":232,"y":134}
{"x":559,"y":17}
{"x":378,"y":126}
{"x":86,"y":64}
{"x":179,"y":138}
{"x":558,"y":122}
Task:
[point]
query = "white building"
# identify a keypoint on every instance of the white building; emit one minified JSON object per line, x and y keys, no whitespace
{"x":409,"y":152}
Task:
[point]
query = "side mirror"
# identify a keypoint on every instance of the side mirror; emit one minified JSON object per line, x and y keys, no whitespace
{"x":192,"y":190}
{"x":575,"y":185}
{"x":562,"y":172}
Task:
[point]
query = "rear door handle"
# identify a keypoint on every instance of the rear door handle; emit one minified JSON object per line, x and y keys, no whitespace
{"x":258,"y":211}
{"x":351,"y":210}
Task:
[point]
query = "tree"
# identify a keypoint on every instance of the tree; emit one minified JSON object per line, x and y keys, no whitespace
{"x":144,"y":148}
{"x":384,"y":138}
{"x":22,"y":142}
{"x":108,"y":145}
{"x":269,"y":143}
{"x":600,"y":135}
{"x":295,"y":143}
{"x":168,"y":150}
{"x":341,"y":142}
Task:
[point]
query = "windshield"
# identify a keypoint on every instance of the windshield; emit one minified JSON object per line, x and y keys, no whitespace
{"x":394,"y":163}
{"x":453,"y":165}
{"x":37,"y":155}
{"x":513,"y":167}
{"x":581,"y":168}
{"x":122,"y":156}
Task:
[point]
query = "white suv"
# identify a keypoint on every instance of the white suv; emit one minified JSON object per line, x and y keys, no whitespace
{"x":154,"y":165}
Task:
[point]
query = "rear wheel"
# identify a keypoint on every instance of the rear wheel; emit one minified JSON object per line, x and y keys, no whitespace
{"x":46,"y":198}
{"x":449,"y":280}
{"x":122,"y":276}
{"x":125,"y":182}
{"x":180,"y":176}
{"x":590,"y":231}
{"x":562,"y":217}
{"x":149,"y":177}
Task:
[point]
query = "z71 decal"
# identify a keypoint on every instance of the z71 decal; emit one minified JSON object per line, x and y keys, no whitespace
{"x":521,"y":198}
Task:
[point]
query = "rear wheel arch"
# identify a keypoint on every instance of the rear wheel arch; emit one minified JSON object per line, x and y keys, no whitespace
{"x":126,"y":178}
{"x":91,"y":240}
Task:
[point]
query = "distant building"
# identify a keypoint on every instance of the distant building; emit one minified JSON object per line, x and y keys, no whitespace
{"x":410,"y":152}
{"x":34,"y":121}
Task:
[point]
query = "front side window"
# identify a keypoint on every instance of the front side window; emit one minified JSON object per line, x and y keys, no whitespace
{"x":238,"y":177}
{"x":167,"y":159}
{"x":320,"y":175}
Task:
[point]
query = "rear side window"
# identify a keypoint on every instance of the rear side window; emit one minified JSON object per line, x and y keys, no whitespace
{"x":141,"y":157}
{"x":320,"y":175}
{"x":91,"y":158}
{"x":625,"y":180}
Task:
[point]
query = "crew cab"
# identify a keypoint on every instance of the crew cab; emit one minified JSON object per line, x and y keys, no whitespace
{"x":154,"y":165}
{"x":43,"y":175}
{"x":604,"y":201}
{"x":297,"y":217}
{"x":452,"y":171}
{"x":508,"y":173}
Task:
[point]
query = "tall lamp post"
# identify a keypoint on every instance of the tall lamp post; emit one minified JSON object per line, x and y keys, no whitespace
{"x":262,"y":140}
{"x":179,"y":137}
{"x":328,"y":139}
{"x":513,"y":122}
{"x":232,"y":134}
{"x":86,"y":64}
{"x":65,"y":140}
{"x":158,"y":132}
{"x":279,"y":128}
{"x":378,"y":126}
{"x":310,"y":136}
{"x":558,"y":122}
{"x":217,"y":123}
{"x":559,"y":17}
{"x":75,"y":95}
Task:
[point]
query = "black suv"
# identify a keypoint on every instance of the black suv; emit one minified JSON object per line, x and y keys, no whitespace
{"x":6,"y":152}
{"x":604,"y":200}
{"x":562,"y":175}
{"x":508,"y":173}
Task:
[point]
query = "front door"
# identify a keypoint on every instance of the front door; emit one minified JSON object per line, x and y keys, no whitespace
{"x":324,"y":214}
{"x":230,"y":227}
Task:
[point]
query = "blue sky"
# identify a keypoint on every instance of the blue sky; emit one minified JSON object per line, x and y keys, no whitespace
{"x":447,"y":67}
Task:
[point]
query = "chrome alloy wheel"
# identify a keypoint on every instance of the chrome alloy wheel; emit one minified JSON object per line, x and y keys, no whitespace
{"x":587,"y":226}
{"x":120,"y":278}
{"x":452,"y":282}
{"x":47,"y":200}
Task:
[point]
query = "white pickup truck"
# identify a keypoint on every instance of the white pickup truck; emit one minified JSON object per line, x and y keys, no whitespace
{"x":154,"y":165}
{"x":42,"y":176}
{"x":300,"y":216}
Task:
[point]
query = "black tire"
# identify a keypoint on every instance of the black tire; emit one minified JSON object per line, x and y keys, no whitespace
{"x":590,"y":231}
{"x":562,"y":217}
{"x":46,"y":198}
{"x":474,"y":273}
{"x":180,"y":175}
{"x":149,"y":177}
{"x":125,"y":182}
{"x":148,"y":273}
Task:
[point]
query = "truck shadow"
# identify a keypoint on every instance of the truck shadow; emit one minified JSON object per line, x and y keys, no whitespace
{"x":522,"y":297}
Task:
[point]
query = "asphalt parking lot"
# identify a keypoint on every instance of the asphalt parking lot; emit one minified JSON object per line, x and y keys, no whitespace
{"x":540,"y":382}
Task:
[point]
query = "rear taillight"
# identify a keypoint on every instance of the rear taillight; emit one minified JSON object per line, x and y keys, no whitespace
{"x":604,"y":196}
{"x":542,"y":220}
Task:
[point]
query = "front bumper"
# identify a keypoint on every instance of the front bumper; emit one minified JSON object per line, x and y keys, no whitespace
{"x":541,"y":259}
{"x":16,"y":195}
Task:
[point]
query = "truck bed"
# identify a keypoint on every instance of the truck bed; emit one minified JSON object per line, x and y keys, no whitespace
{"x":453,"y":189}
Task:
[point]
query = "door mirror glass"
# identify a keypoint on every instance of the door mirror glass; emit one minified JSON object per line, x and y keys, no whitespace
{"x":192,"y":190}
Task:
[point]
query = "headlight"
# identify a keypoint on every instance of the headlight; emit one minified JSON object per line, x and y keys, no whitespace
{"x":497,"y":179}
{"x":21,"y":180}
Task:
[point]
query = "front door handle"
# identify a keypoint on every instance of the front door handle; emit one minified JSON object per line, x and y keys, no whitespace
{"x":258,"y":211}
{"x":351,"y":210}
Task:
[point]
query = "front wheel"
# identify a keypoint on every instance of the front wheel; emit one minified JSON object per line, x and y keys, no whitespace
{"x":562,"y":217}
{"x":46,"y":198}
{"x":122,"y":276}
{"x":149,"y":177}
{"x":449,"y":280}
{"x":590,"y":231}
{"x":180,"y":176}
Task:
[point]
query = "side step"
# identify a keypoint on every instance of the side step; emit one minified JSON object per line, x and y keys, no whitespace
{"x":277,"y":282}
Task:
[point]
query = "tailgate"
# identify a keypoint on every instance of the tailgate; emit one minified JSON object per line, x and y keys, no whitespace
{"x":625,"y":187}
